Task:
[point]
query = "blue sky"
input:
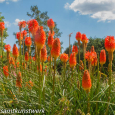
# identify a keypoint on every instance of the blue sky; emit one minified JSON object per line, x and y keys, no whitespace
{"x":94,"y":18}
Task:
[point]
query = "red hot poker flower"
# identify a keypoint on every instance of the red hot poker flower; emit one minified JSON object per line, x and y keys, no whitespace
{"x":26,"y":56}
{"x":2,"y":26}
{"x":40,"y":68}
{"x":43,"y":54}
{"x":75,"y":49}
{"x":72,"y":60}
{"x":102,"y":57}
{"x":52,"y":33}
{"x":110,"y":43}
{"x":78,"y":36}
{"x":84,"y":38}
{"x":18,"y":35}
{"x":22,"y":24}
{"x":28,"y":41}
{"x":50,"y":23}
{"x":92,"y":49}
{"x":7,"y":48}
{"x":40,"y":37}
{"x":15,"y":51}
{"x":86,"y":81}
{"x":50,"y":40}
{"x":55,"y":51}
{"x":33,"y":26}
{"x":5,"y":70}
{"x":94,"y":62}
{"x":19,"y":80}
{"x":24,"y":33}
{"x":64,"y":57}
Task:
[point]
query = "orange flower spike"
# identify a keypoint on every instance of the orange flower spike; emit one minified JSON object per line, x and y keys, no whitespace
{"x":19,"y":80}
{"x":49,"y":59}
{"x":50,"y":23}
{"x":84,"y":38}
{"x":18,"y":35}
{"x":15,"y":51}
{"x":22,"y":24}
{"x":5,"y":71}
{"x":33,"y":26}
{"x":24,"y":33}
{"x":40,"y":37}
{"x":11,"y":61}
{"x":52,"y":33}
{"x":7,"y":48}
{"x":40,"y":68}
{"x":81,"y":67}
{"x":78,"y":36}
{"x":94,"y":62}
{"x":102,"y":57}
{"x":26,"y":56}
{"x":72,"y":60}
{"x":43,"y":54}
{"x":90,"y":55}
{"x":28,"y":41}
{"x":55,"y":51}
{"x":64,"y":57}
{"x":75,"y":49}
{"x":2,"y":26}
{"x":86,"y":81}
{"x":110,"y":43}
{"x":50,"y":40}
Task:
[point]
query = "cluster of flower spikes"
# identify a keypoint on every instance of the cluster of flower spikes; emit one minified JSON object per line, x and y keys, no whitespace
{"x":28,"y":41}
{"x":33,"y":26}
{"x":5,"y":71}
{"x":75,"y":49}
{"x":40,"y":38}
{"x":43,"y":54}
{"x":55,"y":51}
{"x":86,"y":81}
{"x":2,"y":26}
{"x":72,"y":60}
{"x":64,"y":57}
{"x":19,"y":80}
{"x":102,"y":57}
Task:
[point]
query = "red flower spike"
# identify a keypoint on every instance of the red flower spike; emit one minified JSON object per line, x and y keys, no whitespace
{"x":84,"y":38}
{"x":2,"y":26}
{"x":50,"y":40}
{"x":55,"y":51}
{"x":22,"y":24}
{"x":50,"y":23}
{"x":40,"y":37}
{"x":7,"y":48}
{"x":78,"y":36}
{"x":64,"y":57}
{"x":24,"y":33}
{"x":43,"y":54}
{"x":75,"y":49}
{"x":86,"y":81}
{"x":15,"y":51}
{"x":18,"y":35}
{"x":5,"y":70}
{"x":28,"y":41}
{"x":19,"y":80}
{"x":72,"y":60}
{"x":26,"y":56}
{"x":102,"y":57}
{"x":110,"y":43}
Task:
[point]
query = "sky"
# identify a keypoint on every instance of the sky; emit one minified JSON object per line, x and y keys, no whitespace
{"x":95,"y":18}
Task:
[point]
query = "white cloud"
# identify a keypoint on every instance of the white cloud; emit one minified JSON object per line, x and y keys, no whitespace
{"x":16,"y":21}
{"x":14,"y":0}
{"x":8,"y":24}
{"x":2,"y":1}
{"x":7,"y":2}
{"x":99,"y":9}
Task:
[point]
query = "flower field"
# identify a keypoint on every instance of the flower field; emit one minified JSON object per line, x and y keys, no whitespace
{"x":33,"y":82}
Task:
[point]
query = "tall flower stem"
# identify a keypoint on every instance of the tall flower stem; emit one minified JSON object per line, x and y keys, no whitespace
{"x":53,"y":82}
{"x":110,"y":76}
{"x":42,"y":68}
{"x":2,"y":46}
{"x":50,"y":64}
{"x":84,"y":50}
{"x":23,"y":47}
{"x":64,"y":66}
{"x":79,"y":49}
{"x":88,"y":104}
{"x":39,"y":78}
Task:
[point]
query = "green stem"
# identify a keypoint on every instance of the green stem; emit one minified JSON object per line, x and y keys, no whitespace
{"x":2,"y":46}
